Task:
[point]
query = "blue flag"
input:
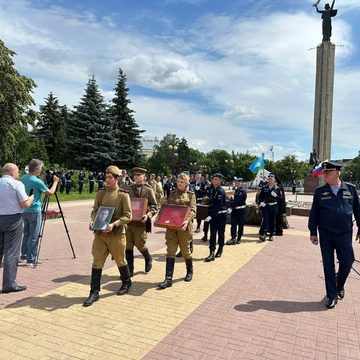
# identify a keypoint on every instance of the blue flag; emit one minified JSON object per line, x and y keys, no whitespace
{"x":257,"y":165}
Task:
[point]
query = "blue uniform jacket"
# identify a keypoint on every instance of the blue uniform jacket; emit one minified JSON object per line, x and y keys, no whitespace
{"x":332,"y":212}
{"x":240,"y":196}
{"x":266,"y":197}
{"x":200,"y":189}
{"x":218,"y":200}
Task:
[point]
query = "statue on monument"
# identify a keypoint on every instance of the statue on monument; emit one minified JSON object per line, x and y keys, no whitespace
{"x":326,"y":16}
{"x":314,"y":160}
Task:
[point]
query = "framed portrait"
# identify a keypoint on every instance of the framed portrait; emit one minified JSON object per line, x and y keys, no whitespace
{"x":103,"y":217}
{"x":138,"y":208}
{"x":172,"y":216}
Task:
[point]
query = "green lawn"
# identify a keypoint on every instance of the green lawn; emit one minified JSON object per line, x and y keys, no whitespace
{"x":73,"y":196}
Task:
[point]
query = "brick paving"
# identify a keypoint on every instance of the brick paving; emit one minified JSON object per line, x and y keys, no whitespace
{"x":259,"y":301}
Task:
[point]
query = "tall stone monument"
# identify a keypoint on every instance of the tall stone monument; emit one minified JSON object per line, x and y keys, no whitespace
{"x":324,"y":90}
{"x":324,"y":86}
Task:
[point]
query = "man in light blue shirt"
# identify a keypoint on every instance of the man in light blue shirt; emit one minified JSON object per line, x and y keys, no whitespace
{"x":13,"y":200}
{"x":32,"y":215}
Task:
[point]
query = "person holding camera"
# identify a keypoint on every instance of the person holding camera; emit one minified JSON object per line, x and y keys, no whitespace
{"x":13,"y":200}
{"x":32,"y":215}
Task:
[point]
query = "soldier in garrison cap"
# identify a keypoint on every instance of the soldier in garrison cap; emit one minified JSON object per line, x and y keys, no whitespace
{"x":136,"y":233}
{"x":174,"y":238}
{"x":333,"y":207}
{"x":238,"y":212}
{"x":112,"y":240}
{"x":217,"y":216}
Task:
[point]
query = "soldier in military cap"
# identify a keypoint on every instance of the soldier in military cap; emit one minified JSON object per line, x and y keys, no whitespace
{"x":81,"y":178}
{"x":333,"y":207}
{"x":124,"y":180}
{"x":268,"y":199}
{"x":112,"y":240}
{"x":238,"y":212}
{"x":100,"y":180}
{"x":217,"y":216}
{"x":91,"y":181}
{"x":174,"y":238}
{"x":136,"y":233}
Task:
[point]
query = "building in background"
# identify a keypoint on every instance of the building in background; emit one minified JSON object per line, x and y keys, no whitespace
{"x":148,"y":143}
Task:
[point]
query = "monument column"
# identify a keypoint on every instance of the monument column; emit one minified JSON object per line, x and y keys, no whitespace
{"x":324,"y":89}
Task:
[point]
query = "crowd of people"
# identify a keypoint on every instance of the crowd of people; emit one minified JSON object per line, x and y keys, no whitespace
{"x":205,"y":202}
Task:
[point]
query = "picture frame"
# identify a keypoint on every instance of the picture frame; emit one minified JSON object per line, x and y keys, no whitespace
{"x":172,"y":216}
{"x":138,"y":208}
{"x":103,"y":218}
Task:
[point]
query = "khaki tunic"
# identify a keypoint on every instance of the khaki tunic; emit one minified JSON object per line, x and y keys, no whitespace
{"x":175,"y":238}
{"x":114,"y":242}
{"x":136,"y":234}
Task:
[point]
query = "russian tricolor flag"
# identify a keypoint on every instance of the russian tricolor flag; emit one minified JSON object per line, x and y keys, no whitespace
{"x":319,"y":170}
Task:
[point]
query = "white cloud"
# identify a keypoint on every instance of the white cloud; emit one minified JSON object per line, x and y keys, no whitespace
{"x":254,"y":75}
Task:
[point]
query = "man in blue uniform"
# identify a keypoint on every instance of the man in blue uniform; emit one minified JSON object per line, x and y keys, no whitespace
{"x":217,"y":216}
{"x":198,"y":186}
{"x":268,"y":200}
{"x":238,"y":212}
{"x":331,"y":215}
{"x":81,"y":178}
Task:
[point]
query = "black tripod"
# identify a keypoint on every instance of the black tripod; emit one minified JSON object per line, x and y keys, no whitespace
{"x":44,"y":210}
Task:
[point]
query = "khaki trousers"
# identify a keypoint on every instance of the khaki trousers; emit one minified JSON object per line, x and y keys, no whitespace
{"x":136,"y":235}
{"x":105,"y":244}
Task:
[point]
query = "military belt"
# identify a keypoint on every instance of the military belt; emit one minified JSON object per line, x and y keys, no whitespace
{"x":239,"y":207}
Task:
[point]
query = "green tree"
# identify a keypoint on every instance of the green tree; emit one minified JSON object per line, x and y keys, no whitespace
{"x":51,"y":128}
{"x":290,"y":168}
{"x":351,"y":171}
{"x":126,"y":131}
{"x":89,"y":132}
{"x":15,"y":102}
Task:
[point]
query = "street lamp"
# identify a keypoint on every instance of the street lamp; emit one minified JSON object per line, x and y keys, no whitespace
{"x":173,"y":148}
{"x":229,"y":163}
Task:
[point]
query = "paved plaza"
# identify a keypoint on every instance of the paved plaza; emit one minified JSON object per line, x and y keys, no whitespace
{"x":259,"y":301}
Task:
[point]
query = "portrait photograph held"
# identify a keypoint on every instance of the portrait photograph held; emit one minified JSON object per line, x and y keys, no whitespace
{"x":103,"y":218}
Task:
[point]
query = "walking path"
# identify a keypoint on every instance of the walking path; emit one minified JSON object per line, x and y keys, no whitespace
{"x":259,"y":301}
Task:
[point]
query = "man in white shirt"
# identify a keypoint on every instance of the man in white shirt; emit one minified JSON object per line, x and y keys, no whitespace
{"x":13,"y":201}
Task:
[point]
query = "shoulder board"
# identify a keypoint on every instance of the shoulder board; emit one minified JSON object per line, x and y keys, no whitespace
{"x":190,"y":192}
{"x":349,"y":184}
{"x":173,"y":191}
{"x":123,"y":190}
{"x":147,"y":185}
{"x":102,"y":189}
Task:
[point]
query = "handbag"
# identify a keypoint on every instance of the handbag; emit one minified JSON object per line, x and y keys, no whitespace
{"x":285,"y":222}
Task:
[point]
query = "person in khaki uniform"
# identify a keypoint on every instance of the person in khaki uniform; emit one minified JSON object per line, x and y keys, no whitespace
{"x":136,"y":233}
{"x":112,"y":240}
{"x":159,"y":193}
{"x":174,"y":238}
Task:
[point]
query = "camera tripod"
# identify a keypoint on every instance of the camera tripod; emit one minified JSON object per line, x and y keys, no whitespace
{"x":44,"y":210}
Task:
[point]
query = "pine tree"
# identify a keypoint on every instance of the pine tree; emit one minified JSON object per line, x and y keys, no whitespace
{"x":126,"y":131}
{"x":51,"y":128}
{"x":89,"y":131}
{"x":15,"y":100}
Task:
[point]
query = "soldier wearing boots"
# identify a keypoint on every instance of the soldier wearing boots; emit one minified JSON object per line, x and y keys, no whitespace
{"x":217,"y":216}
{"x":238,"y":213}
{"x":112,"y":240}
{"x":268,"y":199}
{"x":181,"y":238}
{"x":136,"y":233}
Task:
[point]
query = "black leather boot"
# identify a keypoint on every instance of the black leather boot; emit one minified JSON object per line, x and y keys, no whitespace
{"x":189,"y":269}
{"x":129,"y":254}
{"x":219,"y":252}
{"x":238,"y":240}
{"x":126,"y":280}
{"x":170,"y":263}
{"x":211,"y":257}
{"x":94,"y":287}
{"x":232,"y":241}
{"x":191,"y":246}
{"x":148,"y":260}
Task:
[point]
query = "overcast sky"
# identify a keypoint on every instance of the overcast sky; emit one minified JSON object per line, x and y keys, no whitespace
{"x":231,"y":74}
